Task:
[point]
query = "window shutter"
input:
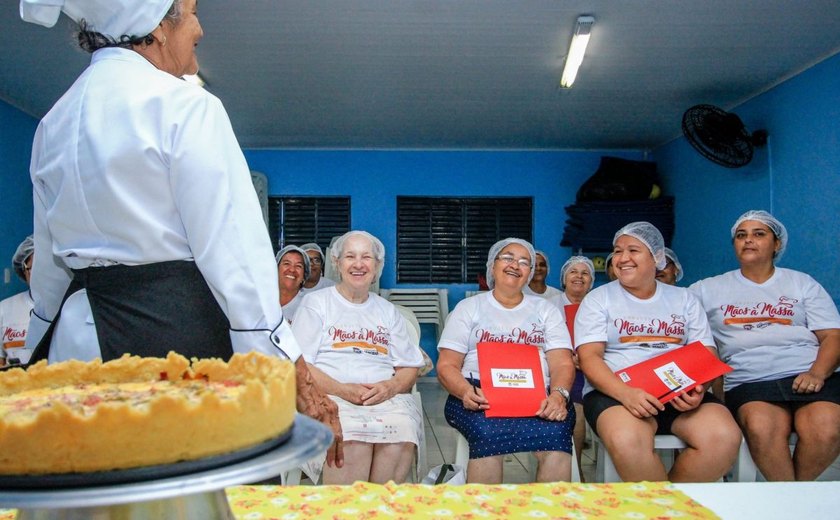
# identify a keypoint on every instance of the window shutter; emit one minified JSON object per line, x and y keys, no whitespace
{"x":446,"y":240}
{"x":299,"y":220}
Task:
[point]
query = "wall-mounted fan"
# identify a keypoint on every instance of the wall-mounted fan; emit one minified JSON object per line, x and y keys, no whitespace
{"x":720,"y":136}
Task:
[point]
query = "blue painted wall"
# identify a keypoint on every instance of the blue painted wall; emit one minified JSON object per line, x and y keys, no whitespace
{"x":373,"y":180}
{"x":16,"y":132}
{"x":796,"y":177}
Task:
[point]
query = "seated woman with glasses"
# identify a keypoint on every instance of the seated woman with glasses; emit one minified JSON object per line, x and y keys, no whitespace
{"x":316,"y":279}
{"x":506,"y":315}
{"x":621,"y":324}
{"x":292,"y":270}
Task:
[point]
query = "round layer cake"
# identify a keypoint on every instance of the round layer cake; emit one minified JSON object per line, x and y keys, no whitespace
{"x":131,"y":412}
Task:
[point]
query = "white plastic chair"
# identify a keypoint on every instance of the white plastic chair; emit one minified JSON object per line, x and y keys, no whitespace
{"x":605,"y":469}
{"x":428,"y":305}
{"x":462,"y":458}
{"x":745,"y":469}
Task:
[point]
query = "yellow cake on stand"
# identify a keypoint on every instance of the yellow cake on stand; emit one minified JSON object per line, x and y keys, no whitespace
{"x":131,"y":412}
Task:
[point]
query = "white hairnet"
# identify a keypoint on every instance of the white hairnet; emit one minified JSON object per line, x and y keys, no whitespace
{"x":669,"y":253}
{"x":547,"y":263}
{"x":496,"y":248}
{"x":577,"y":260}
{"x":376,"y":247}
{"x":301,"y":252}
{"x":647,"y":234}
{"x":112,"y":18}
{"x":22,"y":253}
{"x":768,"y":220}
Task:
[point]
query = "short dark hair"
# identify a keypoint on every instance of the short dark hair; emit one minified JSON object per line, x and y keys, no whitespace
{"x":91,"y":41}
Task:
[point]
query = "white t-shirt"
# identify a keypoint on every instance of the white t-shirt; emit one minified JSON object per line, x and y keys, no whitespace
{"x":481,"y":318}
{"x":765,"y":331}
{"x":323,"y":283}
{"x":635,"y":330}
{"x":550,"y":292}
{"x":353,"y":342}
{"x":291,"y":308}
{"x":135,"y":166}
{"x":14,"y":322}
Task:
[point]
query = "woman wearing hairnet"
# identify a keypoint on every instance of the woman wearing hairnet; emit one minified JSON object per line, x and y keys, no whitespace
{"x":148,"y":231}
{"x":624,"y":323}
{"x":537,"y":286}
{"x":292,"y":270}
{"x":507,"y":315}
{"x":673,"y":271}
{"x":577,"y":277}
{"x":14,"y":311}
{"x":317,"y":263}
{"x":360,"y":353}
{"x":780,"y":332}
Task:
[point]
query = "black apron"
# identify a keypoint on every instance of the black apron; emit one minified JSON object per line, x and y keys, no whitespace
{"x":148,"y":310}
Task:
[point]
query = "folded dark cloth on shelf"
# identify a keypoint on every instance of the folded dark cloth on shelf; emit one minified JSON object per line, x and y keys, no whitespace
{"x":591,"y":225}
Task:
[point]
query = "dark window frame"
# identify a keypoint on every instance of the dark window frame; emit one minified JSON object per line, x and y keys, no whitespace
{"x":302,"y":219}
{"x":445,"y":240}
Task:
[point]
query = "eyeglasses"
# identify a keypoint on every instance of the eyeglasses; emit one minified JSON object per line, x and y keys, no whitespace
{"x":509,"y":259}
{"x":315,"y":261}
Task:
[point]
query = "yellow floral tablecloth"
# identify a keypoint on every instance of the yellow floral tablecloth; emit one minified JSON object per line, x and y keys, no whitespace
{"x":654,"y":500}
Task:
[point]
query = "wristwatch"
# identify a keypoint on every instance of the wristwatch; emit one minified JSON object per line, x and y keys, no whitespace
{"x":562,"y":391}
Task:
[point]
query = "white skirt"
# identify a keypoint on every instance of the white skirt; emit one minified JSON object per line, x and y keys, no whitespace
{"x":396,"y":420}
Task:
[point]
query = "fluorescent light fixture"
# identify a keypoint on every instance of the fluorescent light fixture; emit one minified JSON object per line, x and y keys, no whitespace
{"x":195,"y":79}
{"x":580,"y":38}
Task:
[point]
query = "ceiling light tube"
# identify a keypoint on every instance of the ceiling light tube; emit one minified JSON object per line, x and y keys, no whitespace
{"x":577,"y":49}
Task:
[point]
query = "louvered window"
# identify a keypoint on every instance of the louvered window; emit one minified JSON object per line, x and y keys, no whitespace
{"x":446,"y":240}
{"x":299,"y":220}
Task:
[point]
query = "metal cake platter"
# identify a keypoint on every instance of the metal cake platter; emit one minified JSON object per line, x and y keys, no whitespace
{"x":192,"y":495}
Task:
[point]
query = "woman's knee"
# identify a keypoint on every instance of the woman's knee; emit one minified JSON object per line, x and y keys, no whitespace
{"x":764,"y":421}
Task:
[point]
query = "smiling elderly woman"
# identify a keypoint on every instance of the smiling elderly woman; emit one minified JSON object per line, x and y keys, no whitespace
{"x":502,"y":313}
{"x":359,"y":352}
{"x":780,"y":331}
{"x":576,"y":277}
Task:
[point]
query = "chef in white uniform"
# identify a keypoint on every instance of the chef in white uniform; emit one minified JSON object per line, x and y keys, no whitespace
{"x":148,"y":233}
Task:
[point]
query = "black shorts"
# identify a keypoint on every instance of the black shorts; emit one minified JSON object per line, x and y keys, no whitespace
{"x":780,"y":391}
{"x":595,"y":402}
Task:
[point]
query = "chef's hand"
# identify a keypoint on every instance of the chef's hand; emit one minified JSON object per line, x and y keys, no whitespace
{"x":808,"y":383}
{"x":689,"y":400}
{"x":313,"y":402}
{"x":640,"y":403}
{"x":380,"y":392}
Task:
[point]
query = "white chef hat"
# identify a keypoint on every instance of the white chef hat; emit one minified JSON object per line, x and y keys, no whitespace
{"x":113,"y":18}
{"x":312,"y":246}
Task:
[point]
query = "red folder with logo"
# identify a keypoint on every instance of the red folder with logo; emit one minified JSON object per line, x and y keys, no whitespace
{"x":571,"y":312}
{"x":675,"y":372}
{"x":511,"y":379}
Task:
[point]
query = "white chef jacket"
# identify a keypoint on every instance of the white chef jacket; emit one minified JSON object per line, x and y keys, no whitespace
{"x":14,"y":322}
{"x":135,"y":166}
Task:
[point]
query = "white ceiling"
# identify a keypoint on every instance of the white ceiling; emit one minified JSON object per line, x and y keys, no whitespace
{"x":461,"y":74}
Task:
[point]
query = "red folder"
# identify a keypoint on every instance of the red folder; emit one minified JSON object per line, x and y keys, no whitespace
{"x":571,"y":312}
{"x":675,"y":372}
{"x":511,"y":378}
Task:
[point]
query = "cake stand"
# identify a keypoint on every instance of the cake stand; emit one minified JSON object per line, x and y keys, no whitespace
{"x":193,"y":495}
